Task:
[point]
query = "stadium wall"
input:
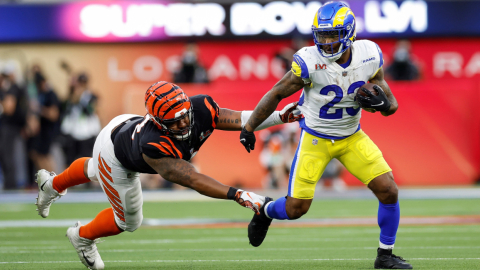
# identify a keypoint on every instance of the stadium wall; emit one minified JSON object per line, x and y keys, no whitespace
{"x":434,"y":138}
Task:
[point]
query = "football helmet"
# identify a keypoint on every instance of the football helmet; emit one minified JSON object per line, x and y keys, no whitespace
{"x":334,"y":21}
{"x":166,"y":103}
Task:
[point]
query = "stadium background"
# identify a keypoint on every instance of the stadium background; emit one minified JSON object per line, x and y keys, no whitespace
{"x":432,"y":140}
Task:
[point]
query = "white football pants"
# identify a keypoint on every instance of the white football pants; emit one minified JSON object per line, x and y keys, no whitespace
{"x":121,"y":185}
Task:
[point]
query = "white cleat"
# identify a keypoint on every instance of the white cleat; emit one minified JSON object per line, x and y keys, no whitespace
{"x":86,"y":248}
{"x":46,"y":193}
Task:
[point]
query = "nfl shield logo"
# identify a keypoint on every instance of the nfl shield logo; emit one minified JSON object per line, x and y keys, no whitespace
{"x":344,"y":74}
{"x":314,"y":141}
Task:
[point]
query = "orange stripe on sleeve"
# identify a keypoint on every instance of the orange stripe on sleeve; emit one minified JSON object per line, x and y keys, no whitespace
{"x":164,"y":150}
{"x":173,"y":146}
{"x":212,"y":111}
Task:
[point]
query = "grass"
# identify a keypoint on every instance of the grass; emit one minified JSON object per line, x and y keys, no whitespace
{"x":344,"y":247}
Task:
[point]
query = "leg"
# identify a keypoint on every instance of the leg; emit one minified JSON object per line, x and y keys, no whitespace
{"x":364,"y":160}
{"x":386,"y":191}
{"x":310,"y":160}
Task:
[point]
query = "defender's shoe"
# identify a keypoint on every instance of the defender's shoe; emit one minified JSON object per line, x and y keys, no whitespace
{"x":46,"y":193}
{"x":86,"y":248}
{"x":258,"y":227}
{"x":387,"y":260}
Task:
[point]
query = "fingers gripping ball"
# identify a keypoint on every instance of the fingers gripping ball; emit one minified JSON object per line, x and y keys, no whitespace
{"x":372,"y":98}
{"x":250,"y":200}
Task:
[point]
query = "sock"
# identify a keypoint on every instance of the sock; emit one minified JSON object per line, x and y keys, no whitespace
{"x":102,"y":226}
{"x":388,"y":220}
{"x":72,"y":176}
{"x":277,"y":209}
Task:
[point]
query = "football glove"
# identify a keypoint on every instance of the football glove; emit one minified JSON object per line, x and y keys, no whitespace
{"x":290,"y":113}
{"x":250,"y":200}
{"x":379,"y":103}
{"x":247,"y":138}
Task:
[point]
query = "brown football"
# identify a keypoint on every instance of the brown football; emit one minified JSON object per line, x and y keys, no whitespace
{"x":369,"y":87}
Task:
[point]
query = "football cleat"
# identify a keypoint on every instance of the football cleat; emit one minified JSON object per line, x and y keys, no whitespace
{"x":258,"y":227}
{"x":387,"y":260}
{"x":46,"y":193}
{"x":86,"y":249}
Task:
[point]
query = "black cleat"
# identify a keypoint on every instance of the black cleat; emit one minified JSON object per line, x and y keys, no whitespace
{"x":258,"y":227}
{"x":387,"y":260}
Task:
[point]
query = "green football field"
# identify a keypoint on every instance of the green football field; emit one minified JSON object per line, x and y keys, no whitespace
{"x":225,"y":246}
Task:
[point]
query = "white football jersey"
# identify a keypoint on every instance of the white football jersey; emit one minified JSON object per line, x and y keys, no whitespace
{"x":328,"y":101}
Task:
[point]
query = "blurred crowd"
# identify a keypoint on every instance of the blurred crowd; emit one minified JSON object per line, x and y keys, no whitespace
{"x":36,"y":126}
{"x":40,"y":130}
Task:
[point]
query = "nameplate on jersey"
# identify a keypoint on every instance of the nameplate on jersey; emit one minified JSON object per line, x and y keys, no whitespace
{"x":368,"y":59}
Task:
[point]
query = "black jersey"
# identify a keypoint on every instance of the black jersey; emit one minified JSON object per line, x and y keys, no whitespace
{"x":139,"y":135}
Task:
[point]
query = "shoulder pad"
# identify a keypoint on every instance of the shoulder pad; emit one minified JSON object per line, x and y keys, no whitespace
{"x":304,"y":62}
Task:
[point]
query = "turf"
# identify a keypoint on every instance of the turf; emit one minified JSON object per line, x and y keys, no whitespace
{"x":346,"y":247}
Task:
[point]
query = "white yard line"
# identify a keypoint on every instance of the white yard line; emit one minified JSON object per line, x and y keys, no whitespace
{"x":17,"y":250}
{"x":260,"y":260}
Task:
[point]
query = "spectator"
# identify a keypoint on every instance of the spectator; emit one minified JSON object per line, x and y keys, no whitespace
{"x":80,"y":125}
{"x":48,"y":112}
{"x":402,"y":67}
{"x":14,"y":104}
{"x":285,"y":55}
{"x":191,"y":71}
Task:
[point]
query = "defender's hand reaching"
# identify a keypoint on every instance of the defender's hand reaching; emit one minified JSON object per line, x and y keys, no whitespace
{"x":290,"y":113}
{"x":250,"y":200}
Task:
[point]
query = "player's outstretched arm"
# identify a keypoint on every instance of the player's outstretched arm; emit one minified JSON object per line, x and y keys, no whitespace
{"x":379,"y":80}
{"x":183,"y":173}
{"x":235,"y":120}
{"x":288,"y":85}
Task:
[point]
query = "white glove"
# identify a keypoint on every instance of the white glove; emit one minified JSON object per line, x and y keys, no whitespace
{"x":290,"y":113}
{"x":250,"y":200}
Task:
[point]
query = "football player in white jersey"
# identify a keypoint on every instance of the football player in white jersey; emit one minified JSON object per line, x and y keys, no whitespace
{"x":330,"y":74}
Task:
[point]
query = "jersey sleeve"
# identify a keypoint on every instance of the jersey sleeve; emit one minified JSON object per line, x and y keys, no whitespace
{"x":300,"y":66}
{"x":378,"y":63}
{"x":208,"y":108}
{"x":161,"y":147}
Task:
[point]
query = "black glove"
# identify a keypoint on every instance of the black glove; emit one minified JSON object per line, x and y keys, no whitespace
{"x":247,"y":138}
{"x":379,"y":103}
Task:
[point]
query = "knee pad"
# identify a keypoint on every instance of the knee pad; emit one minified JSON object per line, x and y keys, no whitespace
{"x":133,"y":211}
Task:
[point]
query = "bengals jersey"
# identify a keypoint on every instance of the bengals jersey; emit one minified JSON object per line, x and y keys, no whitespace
{"x":139,"y":135}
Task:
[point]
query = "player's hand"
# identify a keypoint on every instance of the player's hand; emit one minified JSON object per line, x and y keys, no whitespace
{"x":250,"y":200}
{"x":379,"y":103}
{"x":290,"y":113}
{"x":247,"y":138}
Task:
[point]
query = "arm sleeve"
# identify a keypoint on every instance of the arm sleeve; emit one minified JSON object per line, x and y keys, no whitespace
{"x":212,"y":107}
{"x":300,"y":69}
{"x":163,"y":147}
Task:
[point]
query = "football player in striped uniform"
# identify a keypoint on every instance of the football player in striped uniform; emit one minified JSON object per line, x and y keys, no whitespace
{"x":330,"y":74}
{"x":162,"y":141}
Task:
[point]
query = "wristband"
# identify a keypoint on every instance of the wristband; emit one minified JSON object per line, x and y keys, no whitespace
{"x":273,"y":120}
{"x":231,"y":193}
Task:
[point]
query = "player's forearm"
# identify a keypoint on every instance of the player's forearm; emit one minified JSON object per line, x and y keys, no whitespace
{"x":393,"y":106}
{"x":264,"y":109}
{"x":208,"y":186}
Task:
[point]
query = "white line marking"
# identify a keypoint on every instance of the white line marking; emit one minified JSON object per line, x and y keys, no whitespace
{"x":62,"y":250}
{"x":264,"y":260}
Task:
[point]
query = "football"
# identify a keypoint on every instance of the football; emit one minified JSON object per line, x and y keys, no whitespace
{"x":369,"y":87}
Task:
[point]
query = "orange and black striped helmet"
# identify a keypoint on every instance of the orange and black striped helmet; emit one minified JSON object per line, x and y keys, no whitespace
{"x":166,"y":103}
